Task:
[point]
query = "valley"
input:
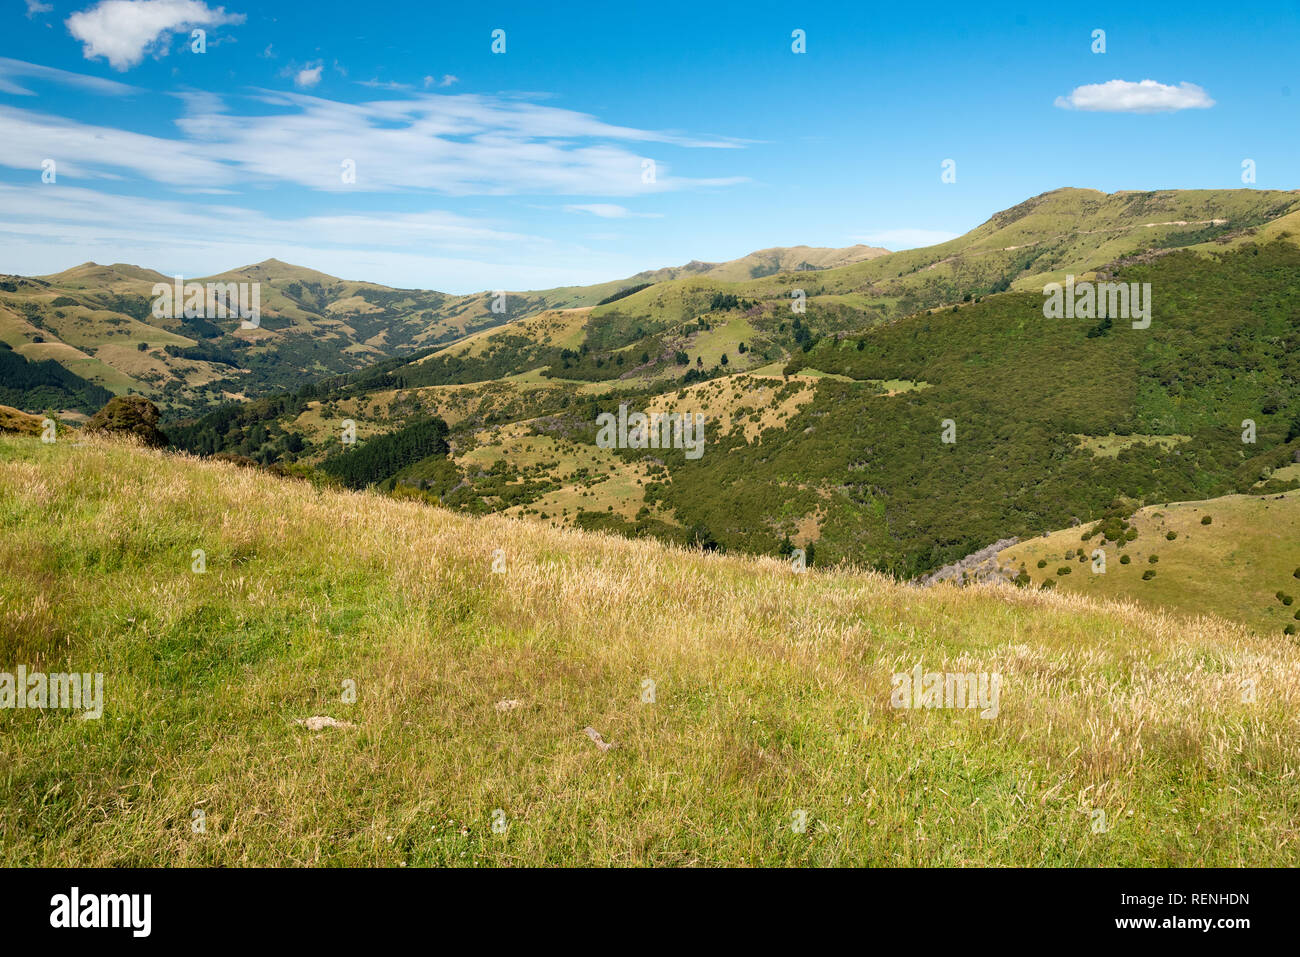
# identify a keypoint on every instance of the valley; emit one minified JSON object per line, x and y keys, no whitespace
{"x":893,"y":411}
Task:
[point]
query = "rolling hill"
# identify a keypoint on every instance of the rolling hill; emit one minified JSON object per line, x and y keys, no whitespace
{"x":348,"y":679}
{"x":827,"y":426}
{"x":96,"y":322}
{"x":1235,"y":565}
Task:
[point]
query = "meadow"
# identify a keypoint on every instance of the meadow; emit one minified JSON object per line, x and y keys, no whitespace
{"x":747,"y":705}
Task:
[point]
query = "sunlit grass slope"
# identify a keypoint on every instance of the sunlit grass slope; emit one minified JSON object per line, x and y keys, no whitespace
{"x":771,"y":695}
{"x":1233,"y":567}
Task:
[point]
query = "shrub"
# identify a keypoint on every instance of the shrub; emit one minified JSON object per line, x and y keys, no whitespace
{"x":1149,"y":574}
{"x":1064,"y":570}
{"x":1171,"y":535}
{"x":1124,"y":559}
{"x":1289,"y":630}
{"x":1042,"y":563}
{"x":1206,"y":520}
{"x":129,"y":415}
{"x":1047,"y":584}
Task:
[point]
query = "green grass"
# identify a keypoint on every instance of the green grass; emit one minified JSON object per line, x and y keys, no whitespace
{"x":772,"y":695}
{"x":1230,"y":568}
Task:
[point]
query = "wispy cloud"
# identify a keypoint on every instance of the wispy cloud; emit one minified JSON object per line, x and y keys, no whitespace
{"x":452,"y":144}
{"x":91,"y":84}
{"x":123,"y":31}
{"x":609,"y":211}
{"x":35,"y":7}
{"x":1125,"y":96}
{"x":45,"y":229}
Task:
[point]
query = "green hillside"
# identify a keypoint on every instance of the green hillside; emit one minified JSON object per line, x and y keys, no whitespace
{"x":748,"y":710}
{"x":825,"y":429}
{"x":1234,"y":566}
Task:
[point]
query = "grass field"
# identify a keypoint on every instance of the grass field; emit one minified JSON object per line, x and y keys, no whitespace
{"x":473,"y":688}
{"x":1232,"y":567}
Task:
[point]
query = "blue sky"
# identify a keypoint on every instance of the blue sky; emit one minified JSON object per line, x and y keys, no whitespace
{"x":526,"y":169}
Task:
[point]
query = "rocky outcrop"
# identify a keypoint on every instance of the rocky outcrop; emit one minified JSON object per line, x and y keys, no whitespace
{"x":976,"y":567}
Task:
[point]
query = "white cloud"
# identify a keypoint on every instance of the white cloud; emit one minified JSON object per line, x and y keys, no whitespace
{"x":123,"y":30}
{"x":462,"y":144}
{"x":608,"y":211}
{"x":308,"y":77}
{"x":101,"y":152}
{"x":447,"y":80}
{"x":92,"y":84}
{"x":906,"y":238}
{"x":35,"y":6}
{"x":46,"y":229}
{"x":1125,"y":96}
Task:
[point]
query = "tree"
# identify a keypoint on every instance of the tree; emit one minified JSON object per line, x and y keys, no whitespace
{"x":129,"y":415}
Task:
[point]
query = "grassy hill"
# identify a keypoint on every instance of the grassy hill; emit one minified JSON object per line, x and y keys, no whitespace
{"x":96,"y":322}
{"x":766,"y":262}
{"x":1233,"y":567}
{"x":771,"y":695}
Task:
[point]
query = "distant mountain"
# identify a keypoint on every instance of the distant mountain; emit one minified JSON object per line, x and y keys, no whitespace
{"x":96,"y":321}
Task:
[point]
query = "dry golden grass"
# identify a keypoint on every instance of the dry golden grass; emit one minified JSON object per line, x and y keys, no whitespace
{"x":772,"y":695}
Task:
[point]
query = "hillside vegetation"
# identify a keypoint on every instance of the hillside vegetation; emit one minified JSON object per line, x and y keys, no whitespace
{"x":1054,"y":420}
{"x":1122,"y":737}
{"x":95,"y":322}
{"x":900,"y":411}
{"x":1235,"y":565}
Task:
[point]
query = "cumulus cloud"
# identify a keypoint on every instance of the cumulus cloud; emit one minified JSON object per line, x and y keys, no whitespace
{"x":308,"y":76}
{"x":1125,"y":96}
{"x":122,"y":31}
